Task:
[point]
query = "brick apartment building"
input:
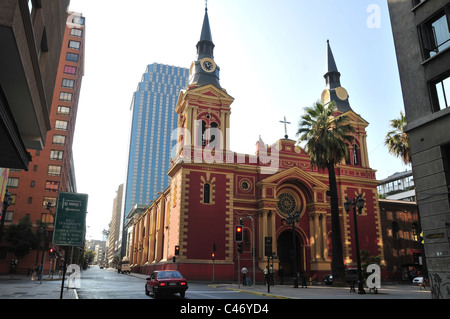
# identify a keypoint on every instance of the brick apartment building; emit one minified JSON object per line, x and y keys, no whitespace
{"x":52,"y":169}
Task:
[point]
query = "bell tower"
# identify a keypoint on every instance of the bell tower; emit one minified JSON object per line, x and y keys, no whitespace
{"x":204,"y":107}
{"x":358,"y":154}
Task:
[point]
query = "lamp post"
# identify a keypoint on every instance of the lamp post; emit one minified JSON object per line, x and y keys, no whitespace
{"x":6,"y":203}
{"x":290,"y":220}
{"x":358,"y":201}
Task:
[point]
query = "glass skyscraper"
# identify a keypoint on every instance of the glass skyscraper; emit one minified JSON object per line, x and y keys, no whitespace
{"x":153,"y":120}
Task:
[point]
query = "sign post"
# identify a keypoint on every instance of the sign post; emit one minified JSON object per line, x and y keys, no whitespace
{"x":70,"y":223}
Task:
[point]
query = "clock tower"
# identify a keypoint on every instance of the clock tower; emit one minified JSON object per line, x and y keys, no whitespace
{"x":204,"y":107}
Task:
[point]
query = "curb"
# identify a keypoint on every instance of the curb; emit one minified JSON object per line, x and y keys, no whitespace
{"x":265,"y":294}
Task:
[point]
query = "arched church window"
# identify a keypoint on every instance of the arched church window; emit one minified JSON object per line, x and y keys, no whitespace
{"x":206,"y":193}
{"x":203,"y":133}
{"x":355,"y":155}
{"x":213,"y":130}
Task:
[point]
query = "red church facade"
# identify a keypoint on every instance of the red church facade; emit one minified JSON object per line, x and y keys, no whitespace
{"x":213,"y":188}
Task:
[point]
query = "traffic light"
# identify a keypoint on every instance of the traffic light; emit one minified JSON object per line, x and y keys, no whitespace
{"x":238,"y":230}
{"x":177,"y":250}
{"x":213,"y":256}
{"x":51,"y":252}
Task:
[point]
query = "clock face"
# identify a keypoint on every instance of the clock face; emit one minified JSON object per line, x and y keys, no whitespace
{"x":208,"y":65}
{"x":286,"y":203}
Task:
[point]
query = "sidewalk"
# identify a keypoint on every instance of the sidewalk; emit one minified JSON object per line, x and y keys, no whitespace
{"x":391,"y":291}
{"x":21,"y":287}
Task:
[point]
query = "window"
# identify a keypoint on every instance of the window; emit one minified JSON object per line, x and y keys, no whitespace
{"x":68,"y":69}
{"x":51,"y":200}
{"x":355,"y":155}
{"x":67,"y":83}
{"x":54,"y":170}
{"x":395,"y":230}
{"x":47,"y":218}
{"x":72,"y":57}
{"x":61,"y":125}
{"x":440,"y":93}
{"x":13,"y":182}
{"x":74,"y":44}
{"x":8,"y":216}
{"x":76,"y":32}
{"x":56,"y":155}
{"x":206,"y":193}
{"x":65,"y":96}
{"x":51,"y":186}
{"x":78,"y":20}
{"x":59,"y":139}
{"x":63,"y":110}
{"x":435,"y":33}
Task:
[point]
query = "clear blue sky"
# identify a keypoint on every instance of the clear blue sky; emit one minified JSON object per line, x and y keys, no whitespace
{"x":272,"y":59}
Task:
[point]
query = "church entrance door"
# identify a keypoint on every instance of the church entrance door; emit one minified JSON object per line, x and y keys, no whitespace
{"x":286,"y":252}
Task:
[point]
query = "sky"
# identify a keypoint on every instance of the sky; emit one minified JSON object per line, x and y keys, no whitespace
{"x":271,"y":56}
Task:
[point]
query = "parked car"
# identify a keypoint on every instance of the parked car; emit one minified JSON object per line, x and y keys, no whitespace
{"x":125,"y":268}
{"x":166,"y":281}
{"x":417,"y":280}
{"x":328,"y":279}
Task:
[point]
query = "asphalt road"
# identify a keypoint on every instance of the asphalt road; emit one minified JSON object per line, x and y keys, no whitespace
{"x":96,"y":283}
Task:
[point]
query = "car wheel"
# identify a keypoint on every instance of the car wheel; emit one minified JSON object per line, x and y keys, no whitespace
{"x":146,"y":291}
{"x":182,"y":294}
{"x":155,"y":295}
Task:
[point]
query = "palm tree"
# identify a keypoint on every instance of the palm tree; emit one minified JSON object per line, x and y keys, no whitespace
{"x":327,"y":138}
{"x":397,"y":140}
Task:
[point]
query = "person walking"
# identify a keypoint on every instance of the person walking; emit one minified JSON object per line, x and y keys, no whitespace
{"x":281,"y":274}
{"x":244,"y":276}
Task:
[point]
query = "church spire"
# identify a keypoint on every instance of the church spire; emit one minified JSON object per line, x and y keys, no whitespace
{"x":205,"y":46}
{"x":334,"y":91}
{"x":204,"y":70}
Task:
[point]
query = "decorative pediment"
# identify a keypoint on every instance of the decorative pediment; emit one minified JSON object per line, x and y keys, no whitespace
{"x":298,"y":174}
{"x":208,"y":93}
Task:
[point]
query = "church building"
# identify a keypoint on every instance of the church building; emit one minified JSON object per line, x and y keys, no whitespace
{"x":213,"y":189}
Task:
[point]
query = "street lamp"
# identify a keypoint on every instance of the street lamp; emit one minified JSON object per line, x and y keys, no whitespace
{"x":291,"y":219}
{"x":359,"y":201}
{"x":7,"y":200}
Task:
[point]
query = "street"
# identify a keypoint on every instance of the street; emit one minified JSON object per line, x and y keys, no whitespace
{"x":99,"y":283}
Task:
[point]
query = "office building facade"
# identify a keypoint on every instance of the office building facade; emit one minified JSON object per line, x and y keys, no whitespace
{"x":422,"y":40}
{"x":52,"y":169}
{"x":31,"y":33}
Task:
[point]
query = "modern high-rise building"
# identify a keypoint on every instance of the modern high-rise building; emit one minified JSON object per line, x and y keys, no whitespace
{"x":151,"y":139}
{"x":51,"y":170}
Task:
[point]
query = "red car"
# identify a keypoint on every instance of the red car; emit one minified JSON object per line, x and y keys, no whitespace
{"x":166,"y":281}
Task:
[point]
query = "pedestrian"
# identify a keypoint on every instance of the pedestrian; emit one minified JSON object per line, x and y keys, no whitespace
{"x":33,"y":275}
{"x":271,"y":275}
{"x":244,"y":275}
{"x":281,"y":274}
{"x":266,"y":275}
{"x":39,"y":272}
{"x":303,"y":278}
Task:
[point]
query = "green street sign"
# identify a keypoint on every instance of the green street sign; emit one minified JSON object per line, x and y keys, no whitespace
{"x":70,"y":221}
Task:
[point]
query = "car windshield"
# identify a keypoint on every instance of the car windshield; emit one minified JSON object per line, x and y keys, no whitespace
{"x":169,"y":275}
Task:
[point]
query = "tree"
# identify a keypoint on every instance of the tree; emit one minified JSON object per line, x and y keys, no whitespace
{"x":397,"y":140}
{"x":327,"y":140}
{"x":22,"y":237}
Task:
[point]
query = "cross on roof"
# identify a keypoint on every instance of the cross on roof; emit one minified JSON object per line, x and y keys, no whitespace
{"x":285,"y":127}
